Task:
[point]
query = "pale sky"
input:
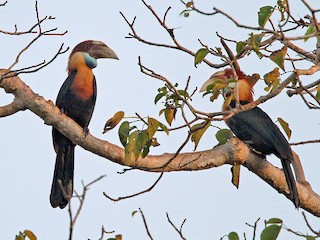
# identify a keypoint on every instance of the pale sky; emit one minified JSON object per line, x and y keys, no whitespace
{"x":212,"y":206}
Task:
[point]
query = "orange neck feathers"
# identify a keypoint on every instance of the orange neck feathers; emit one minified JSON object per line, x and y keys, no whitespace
{"x":83,"y":80}
{"x":243,"y":88}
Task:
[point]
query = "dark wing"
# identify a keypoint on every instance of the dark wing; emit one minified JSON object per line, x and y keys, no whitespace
{"x":65,"y":89}
{"x":257,"y":129}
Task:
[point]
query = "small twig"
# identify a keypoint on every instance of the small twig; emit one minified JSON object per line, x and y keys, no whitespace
{"x":136,"y":194}
{"x":192,"y":7}
{"x":255,"y":226}
{"x":179,"y":231}
{"x":145,"y":224}
{"x":308,"y":224}
{"x":3,"y":4}
{"x":81,"y":198}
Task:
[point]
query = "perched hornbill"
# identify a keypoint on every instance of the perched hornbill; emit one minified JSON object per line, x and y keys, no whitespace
{"x":255,"y":127}
{"x":76,"y":99}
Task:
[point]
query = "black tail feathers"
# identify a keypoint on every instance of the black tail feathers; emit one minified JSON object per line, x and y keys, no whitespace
{"x":286,"y":165}
{"x":62,"y":184}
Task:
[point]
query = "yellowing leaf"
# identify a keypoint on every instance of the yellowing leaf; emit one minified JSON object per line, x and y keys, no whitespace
{"x":112,"y":122}
{"x":235,"y":169}
{"x":189,"y":4}
{"x":169,"y":114}
{"x":197,"y":132}
{"x":131,"y":150}
{"x":134,"y":213}
{"x":254,"y":43}
{"x":153,"y":125}
{"x":30,"y":235}
{"x":164,"y":128}
{"x":264,"y":15}
{"x":278,"y":57}
{"x":119,"y":237}
{"x":285,"y":127}
{"x":200,"y":55}
{"x":272,"y":79}
{"x":318,"y":92}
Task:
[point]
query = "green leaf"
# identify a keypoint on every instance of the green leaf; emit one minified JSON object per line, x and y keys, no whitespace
{"x":21,"y":236}
{"x":112,"y":122}
{"x":131,"y":149}
{"x":134,"y":213}
{"x":223,"y":135}
{"x":311,"y":29}
{"x":184,"y":93}
{"x":264,"y":15}
{"x":169,"y":114}
{"x":270,"y":233}
{"x":240,"y":45}
{"x":141,"y":144}
{"x":274,"y":221}
{"x":153,"y":125}
{"x":310,"y":238}
{"x":197,"y":132}
{"x":233,"y":236}
{"x":30,"y":234}
{"x":158,"y":97}
{"x":285,"y":127}
{"x":254,"y":43}
{"x":146,"y":149}
{"x":123,"y":133}
{"x":278,"y":57}
{"x":200,"y":55}
{"x":185,"y":13}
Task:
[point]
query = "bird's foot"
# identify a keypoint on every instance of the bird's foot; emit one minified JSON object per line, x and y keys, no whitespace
{"x":85,"y":132}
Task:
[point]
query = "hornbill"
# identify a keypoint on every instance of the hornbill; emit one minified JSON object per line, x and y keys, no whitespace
{"x":255,"y":127}
{"x":76,"y":99}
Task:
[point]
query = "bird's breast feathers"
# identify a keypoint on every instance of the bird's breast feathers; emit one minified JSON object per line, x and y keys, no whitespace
{"x":82,"y":84}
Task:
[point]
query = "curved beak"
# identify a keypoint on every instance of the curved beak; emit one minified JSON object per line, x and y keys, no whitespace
{"x":217,"y":75}
{"x":101,"y":50}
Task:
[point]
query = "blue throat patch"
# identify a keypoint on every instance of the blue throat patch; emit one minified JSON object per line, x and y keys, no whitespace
{"x":90,"y":61}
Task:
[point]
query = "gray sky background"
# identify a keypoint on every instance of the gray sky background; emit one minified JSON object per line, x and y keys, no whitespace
{"x":207,"y":199}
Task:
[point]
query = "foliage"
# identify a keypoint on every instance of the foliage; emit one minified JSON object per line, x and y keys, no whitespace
{"x":26,"y":235}
{"x":271,"y":231}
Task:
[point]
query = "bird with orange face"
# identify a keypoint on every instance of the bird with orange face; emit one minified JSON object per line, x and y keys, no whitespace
{"x":255,"y":127}
{"x":76,"y":99}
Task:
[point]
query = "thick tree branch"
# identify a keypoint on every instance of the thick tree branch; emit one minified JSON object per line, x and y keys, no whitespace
{"x":12,"y":108}
{"x":234,"y":151}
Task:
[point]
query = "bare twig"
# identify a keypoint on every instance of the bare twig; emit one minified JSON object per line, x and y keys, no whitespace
{"x":136,"y":194}
{"x":317,"y":233}
{"x":179,"y":231}
{"x":193,"y":8}
{"x":145,"y":224}
{"x":3,"y":4}
{"x":81,"y":199}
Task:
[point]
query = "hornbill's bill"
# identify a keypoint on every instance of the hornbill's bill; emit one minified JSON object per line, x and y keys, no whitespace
{"x":76,"y":99}
{"x":255,"y":127}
